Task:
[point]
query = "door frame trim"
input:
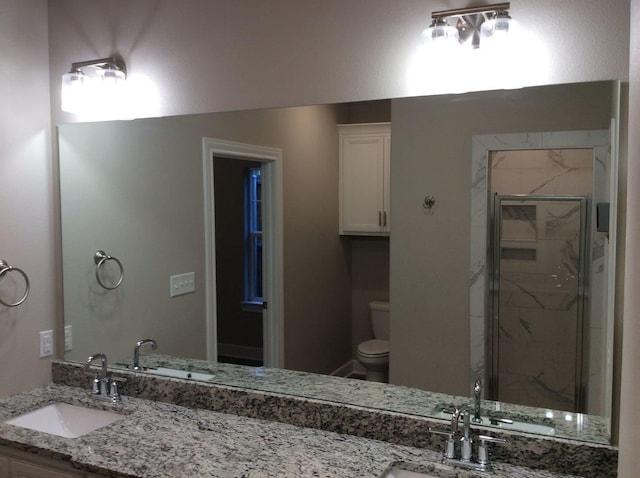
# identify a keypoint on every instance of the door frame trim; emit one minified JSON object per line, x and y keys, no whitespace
{"x":273,"y":269}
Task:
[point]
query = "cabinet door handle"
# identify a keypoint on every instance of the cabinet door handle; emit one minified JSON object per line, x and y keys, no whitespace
{"x":380,"y":218}
{"x":384,"y":219}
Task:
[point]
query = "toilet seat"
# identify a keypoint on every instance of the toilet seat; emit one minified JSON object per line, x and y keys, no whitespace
{"x":374,"y":348}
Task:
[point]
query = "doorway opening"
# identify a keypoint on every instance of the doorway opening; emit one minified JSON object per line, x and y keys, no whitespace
{"x":238,"y":259}
{"x":244,"y":298}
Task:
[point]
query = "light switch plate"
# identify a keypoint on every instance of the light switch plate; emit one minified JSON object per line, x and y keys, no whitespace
{"x":182,"y":284}
{"x":46,"y":343}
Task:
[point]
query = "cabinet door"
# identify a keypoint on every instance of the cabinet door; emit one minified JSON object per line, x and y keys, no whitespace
{"x":4,"y":466}
{"x":362,"y":183}
{"x":21,"y":469}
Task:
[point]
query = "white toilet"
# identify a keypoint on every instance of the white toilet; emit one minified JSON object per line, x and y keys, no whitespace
{"x":373,"y":354}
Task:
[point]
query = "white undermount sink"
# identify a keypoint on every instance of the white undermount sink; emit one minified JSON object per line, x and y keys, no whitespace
{"x":172,"y":372}
{"x":396,"y":472}
{"x":62,"y":419}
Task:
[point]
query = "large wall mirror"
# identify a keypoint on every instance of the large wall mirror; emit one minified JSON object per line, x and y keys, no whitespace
{"x":137,"y":209}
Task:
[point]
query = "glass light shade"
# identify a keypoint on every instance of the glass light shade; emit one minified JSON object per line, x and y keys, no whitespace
{"x":73,"y":94}
{"x":441,"y":34}
{"x":108,"y":92}
{"x":111,"y":76}
{"x":496,"y":28}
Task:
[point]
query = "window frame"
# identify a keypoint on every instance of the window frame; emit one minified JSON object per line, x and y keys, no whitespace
{"x":253,"y":292}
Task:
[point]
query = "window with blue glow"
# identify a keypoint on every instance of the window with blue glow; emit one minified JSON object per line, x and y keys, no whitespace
{"x":253,"y":235}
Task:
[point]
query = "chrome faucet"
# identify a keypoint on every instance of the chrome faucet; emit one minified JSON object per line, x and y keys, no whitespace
{"x":101,"y":386}
{"x":136,"y":351}
{"x":459,"y":445}
{"x":477,"y":392}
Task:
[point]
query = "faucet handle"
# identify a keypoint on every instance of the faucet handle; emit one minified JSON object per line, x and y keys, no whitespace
{"x":450,"y":450}
{"x":114,"y":396}
{"x":455,"y":418}
{"x":483,"y":451}
{"x":95,"y":384}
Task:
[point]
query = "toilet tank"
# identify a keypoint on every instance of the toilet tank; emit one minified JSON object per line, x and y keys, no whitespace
{"x":380,"y":319}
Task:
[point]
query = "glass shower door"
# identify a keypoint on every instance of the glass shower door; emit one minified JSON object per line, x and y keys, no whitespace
{"x":538,"y":285}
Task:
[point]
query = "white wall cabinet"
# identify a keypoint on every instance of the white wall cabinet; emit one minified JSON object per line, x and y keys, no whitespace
{"x":365,"y":153}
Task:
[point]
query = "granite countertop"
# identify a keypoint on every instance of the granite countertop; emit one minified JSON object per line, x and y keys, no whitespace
{"x":157,"y":439}
{"x":412,"y":401}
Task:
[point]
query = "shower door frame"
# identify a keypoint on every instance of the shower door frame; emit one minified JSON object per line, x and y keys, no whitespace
{"x":493,"y":257}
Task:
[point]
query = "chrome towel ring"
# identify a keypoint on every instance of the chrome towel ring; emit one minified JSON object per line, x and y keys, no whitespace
{"x":100,"y":258}
{"x":4,"y":269}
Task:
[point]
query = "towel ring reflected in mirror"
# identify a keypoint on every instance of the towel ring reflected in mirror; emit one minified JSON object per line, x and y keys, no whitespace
{"x":101,"y":258}
{"x":6,"y":268}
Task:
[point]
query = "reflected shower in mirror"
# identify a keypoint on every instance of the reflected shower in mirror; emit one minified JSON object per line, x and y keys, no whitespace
{"x":136,"y":189}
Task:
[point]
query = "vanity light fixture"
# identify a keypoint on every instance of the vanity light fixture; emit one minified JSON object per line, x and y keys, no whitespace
{"x":441,"y":34}
{"x":101,"y":84}
{"x":469,"y":25}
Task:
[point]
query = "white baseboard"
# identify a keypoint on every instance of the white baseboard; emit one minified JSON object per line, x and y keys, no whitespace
{"x":240,"y":351}
{"x":349,"y":369}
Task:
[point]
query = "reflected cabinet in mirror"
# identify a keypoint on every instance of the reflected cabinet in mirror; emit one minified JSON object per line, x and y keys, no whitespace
{"x":219,"y":236}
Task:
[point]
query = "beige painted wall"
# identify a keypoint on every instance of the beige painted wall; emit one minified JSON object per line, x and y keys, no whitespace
{"x":134,"y":189}
{"x":228,"y":61}
{"x":630,"y":388}
{"x":215,"y":55}
{"x":26,"y":193}
{"x":369,"y":281}
{"x":431,"y":154}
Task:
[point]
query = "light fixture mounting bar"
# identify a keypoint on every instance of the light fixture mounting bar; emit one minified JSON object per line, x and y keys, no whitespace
{"x":458,"y":12}
{"x":112,"y":61}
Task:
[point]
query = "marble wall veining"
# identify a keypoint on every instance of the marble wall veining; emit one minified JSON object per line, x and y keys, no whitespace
{"x":540,"y":254}
{"x":560,"y":168}
{"x":538,"y":308}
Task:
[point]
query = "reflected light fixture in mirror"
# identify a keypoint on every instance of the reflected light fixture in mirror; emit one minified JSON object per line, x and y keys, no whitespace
{"x":497,"y":27}
{"x":94,"y":85}
{"x":440,"y":34}
{"x":473,"y":25}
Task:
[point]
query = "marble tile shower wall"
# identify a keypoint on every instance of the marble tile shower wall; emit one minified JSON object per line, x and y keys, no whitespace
{"x":562,"y":165}
{"x":539,"y":291}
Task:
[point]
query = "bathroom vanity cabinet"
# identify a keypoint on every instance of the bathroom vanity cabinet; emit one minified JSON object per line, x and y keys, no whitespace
{"x":223,"y":443}
{"x":17,"y":464}
{"x":365,"y":153}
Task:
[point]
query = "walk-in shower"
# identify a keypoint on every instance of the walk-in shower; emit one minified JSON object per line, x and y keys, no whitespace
{"x":538,"y":280}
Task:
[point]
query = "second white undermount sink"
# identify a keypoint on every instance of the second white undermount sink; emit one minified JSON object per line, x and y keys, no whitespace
{"x":65,"y":420}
